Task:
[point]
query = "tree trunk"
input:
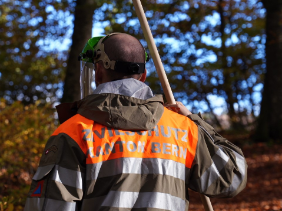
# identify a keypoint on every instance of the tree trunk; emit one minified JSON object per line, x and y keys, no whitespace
{"x":228,"y":81}
{"x":83,"y":23}
{"x":270,"y":119}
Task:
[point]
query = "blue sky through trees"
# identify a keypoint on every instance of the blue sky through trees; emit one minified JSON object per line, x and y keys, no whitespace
{"x":175,"y":46}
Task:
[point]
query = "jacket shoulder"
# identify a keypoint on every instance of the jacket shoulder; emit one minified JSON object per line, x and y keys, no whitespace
{"x":77,"y":121}
{"x":178,"y":119}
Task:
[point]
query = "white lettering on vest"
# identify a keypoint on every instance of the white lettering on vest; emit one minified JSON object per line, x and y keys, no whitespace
{"x":132,"y":144}
{"x":166,"y":146}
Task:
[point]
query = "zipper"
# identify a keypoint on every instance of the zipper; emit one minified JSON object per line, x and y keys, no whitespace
{"x":206,"y":132}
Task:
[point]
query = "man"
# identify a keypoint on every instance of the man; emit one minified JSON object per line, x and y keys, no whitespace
{"x":121,"y":149}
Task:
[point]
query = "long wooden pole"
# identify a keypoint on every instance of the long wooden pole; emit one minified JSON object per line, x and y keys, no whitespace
{"x":206,"y":202}
{"x":160,"y":70}
{"x":153,"y":51}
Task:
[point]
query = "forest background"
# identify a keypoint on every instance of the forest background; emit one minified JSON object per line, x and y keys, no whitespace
{"x":222,"y":57}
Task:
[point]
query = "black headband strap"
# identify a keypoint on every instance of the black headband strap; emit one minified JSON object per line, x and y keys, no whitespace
{"x":129,"y":68}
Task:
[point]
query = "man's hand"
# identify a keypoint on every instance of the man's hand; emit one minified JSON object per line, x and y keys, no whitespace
{"x":178,"y":108}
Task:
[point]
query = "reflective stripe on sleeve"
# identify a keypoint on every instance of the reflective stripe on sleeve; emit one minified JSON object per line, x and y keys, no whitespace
{"x":42,"y":171}
{"x":68,"y":177}
{"x":136,"y":166}
{"x":34,"y":204}
{"x":210,"y":175}
{"x":220,"y":159}
{"x":52,"y":204}
{"x":240,"y":163}
{"x":62,"y":175}
{"x":144,"y":200}
{"x":238,"y":178}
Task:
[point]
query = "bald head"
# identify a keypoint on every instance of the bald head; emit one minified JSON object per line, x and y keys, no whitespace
{"x":124,"y":47}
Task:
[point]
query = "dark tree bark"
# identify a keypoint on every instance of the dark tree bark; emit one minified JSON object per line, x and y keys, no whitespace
{"x":270,"y":119}
{"x":228,"y":79}
{"x":83,"y":23}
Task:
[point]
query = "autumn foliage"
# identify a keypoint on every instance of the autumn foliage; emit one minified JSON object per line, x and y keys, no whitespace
{"x":24,"y":132}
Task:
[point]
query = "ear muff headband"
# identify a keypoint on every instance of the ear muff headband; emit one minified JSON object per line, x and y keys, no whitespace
{"x":147,"y":57}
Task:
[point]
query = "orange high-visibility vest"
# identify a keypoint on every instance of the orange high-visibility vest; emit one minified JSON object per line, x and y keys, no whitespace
{"x":174,"y":138}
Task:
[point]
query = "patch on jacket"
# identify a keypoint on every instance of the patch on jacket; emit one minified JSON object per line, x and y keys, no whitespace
{"x":38,"y":190}
{"x":51,"y":149}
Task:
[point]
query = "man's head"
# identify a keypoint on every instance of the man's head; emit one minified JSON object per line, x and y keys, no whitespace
{"x":122,"y":48}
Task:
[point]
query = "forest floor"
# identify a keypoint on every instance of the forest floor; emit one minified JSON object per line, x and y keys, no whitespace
{"x":264,"y":187}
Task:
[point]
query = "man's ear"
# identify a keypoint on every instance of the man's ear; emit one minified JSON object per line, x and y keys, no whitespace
{"x":143,"y":77}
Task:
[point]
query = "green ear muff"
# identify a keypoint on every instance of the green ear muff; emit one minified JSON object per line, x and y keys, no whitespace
{"x":147,"y":56}
{"x":87,"y":52}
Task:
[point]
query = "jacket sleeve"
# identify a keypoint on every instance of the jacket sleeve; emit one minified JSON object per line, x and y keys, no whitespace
{"x":219,"y":168}
{"x":58,"y":182}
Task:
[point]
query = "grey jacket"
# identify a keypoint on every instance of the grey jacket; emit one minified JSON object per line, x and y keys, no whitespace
{"x":115,"y":151}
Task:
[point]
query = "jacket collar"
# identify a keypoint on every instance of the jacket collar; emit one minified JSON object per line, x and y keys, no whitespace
{"x":129,"y":87}
{"x":117,"y":105}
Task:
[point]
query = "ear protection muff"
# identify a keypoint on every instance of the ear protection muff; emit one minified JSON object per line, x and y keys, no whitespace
{"x":147,"y":56}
